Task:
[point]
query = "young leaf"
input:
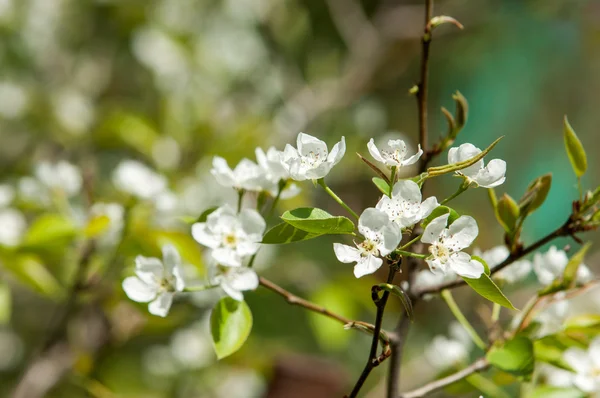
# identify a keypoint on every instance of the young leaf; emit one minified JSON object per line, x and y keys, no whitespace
{"x":536,"y":194}
{"x":557,"y":392}
{"x":570,"y":272}
{"x":395,"y":290}
{"x":449,"y":168}
{"x":486,"y":267}
{"x":49,"y":230}
{"x":485,"y":287}
{"x":318,"y":221}
{"x":575,"y":150}
{"x":583,"y":323}
{"x":230,"y":325}
{"x":507,"y":212}
{"x":514,"y":356}
{"x":206,"y":213}
{"x":31,"y":272}
{"x":383,"y":186}
{"x":96,"y":226}
{"x":286,"y":233}
{"x":440,"y":211}
{"x":550,"y":354}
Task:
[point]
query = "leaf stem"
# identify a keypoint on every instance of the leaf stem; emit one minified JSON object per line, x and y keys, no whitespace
{"x":241,"y":193}
{"x":392,"y":178}
{"x":412,"y":241}
{"x":496,"y":312}
{"x":282,"y":185}
{"x":460,"y":317}
{"x":193,"y":289}
{"x":462,"y":188}
{"x":410,"y":254}
{"x":321,"y":182}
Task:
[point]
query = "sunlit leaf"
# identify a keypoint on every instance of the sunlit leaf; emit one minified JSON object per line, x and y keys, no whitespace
{"x":230,"y":326}
{"x":513,"y":356}
{"x":286,"y":233}
{"x":318,"y":221}
{"x":485,"y":287}
{"x":575,"y":150}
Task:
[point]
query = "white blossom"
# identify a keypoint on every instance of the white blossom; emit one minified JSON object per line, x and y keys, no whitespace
{"x":489,"y":176}
{"x":393,"y":153}
{"x":587,"y":366}
{"x":61,"y":176}
{"x":447,"y":243}
{"x":115,"y":213}
{"x":382,"y":236}
{"x":311,"y":160}
{"x":512,"y":273}
{"x":232,"y":237}
{"x":246,"y":175}
{"x":12,"y":226}
{"x":405,"y":207}
{"x":554,"y":376}
{"x":235,"y":280}
{"x":276,"y":172}
{"x":7,"y":194}
{"x":139,"y":180}
{"x":425,"y":279}
{"x":551,"y":319}
{"x":552,"y":264}
{"x":156,"y":281}
{"x":444,"y":352}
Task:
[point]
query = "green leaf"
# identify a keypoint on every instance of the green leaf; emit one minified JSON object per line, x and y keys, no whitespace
{"x":5,"y":303}
{"x":507,"y":212}
{"x":382,"y":185}
{"x":570,"y":272}
{"x":206,"y":213}
{"x":440,"y":211}
{"x":401,"y":294}
{"x":31,"y":272}
{"x":330,"y":334}
{"x":583,"y":323}
{"x":536,"y":194}
{"x":556,"y":392}
{"x":550,"y":354}
{"x":96,"y":226}
{"x":286,"y":233}
{"x":49,"y":230}
{"x":486,"y":288}
{"x":575,"y":150}
{"x":318,"y":221}
{"x":230,"y":325}
{"x":486,"y":267}
{"x":450,"y":168}
{"x":514,"y":356}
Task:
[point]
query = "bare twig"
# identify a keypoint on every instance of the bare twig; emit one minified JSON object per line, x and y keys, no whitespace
{"x":424,"y":81}
{"x":477,"y":366}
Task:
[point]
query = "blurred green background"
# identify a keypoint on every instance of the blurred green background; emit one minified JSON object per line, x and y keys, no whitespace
{"x":173,"y":82}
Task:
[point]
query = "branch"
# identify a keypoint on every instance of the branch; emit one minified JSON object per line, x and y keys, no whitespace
{"x":373,"y":359}
{"x":424,"y":80}
{"x":477,"y":366}
{"x":295,"y":300}
{"x":564,"y":230}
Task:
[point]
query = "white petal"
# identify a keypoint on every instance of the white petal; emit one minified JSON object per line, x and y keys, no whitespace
{"x":222,"y":172}
{"x":243,"y":279}
{"x":161,"y":305}
{"x":584,"y":275}
{"x":370,"y":220}
{"x":434,"y":229}
{"x":318,"y":172}
{"x":465,"y":152}
{"x":392,"y":235}
{"x":337,"y":152}
{"x":492,"y":175}
{"x":585,"y":383}
{"x":290,"y":191}
{"x":252,"y":222}
{"x":594,"y":352}
{"x":345,"y":253}
{"x":427,"y":207}
{"x":179,"y":281}
{"x":462,"y":233}
{"x":138,"y":291}
{"x":367,"y":265}
{"x":227,"y":257}
{"x":374,"y":151}
{"x":231,"y":292}
{"x":289,"y":153}
{"x":307,"y":143}
{"x":462,"y":264}
{"x":149,"y":269}
{"x":203,"y":236}
{"x":171,"y":258}
{"x":407,"y":190}
{"x":578,"y":359}
{"x":414,"y":158}
{"x":245,"y":249}
{"x":436,"y":266}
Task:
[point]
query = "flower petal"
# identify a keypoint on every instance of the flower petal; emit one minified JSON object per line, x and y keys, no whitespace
{"x":252,"y":222}
{"x":337,"y":152}
{"x":578,"y":359}
{"x":436,"y":266}
{"x":226,"y":256}
{"x":434,"y":229}
{"x":462,"y":233}
{"x":346,"y":254}
{"x":222,"y":172}
{"x":427,"y":207}
{"x":202,"y":235}
{"x":231,"y":292}
{"x":149,"y":269}
{"x":392,"y":235}
{"x":407,"y":190}
{"x":374,"y":151}
{"x":370,"y":220}
{"x":161,"y":305}
{"x":463,"y":265}
{"x":307,"y":143}
{"x":138,"y":291}
{"x":414,"y":158}
{"x":171,"y":258}
{"x":492,"y":175}
{"x":243,"y":279}
{"x":367,"y":265}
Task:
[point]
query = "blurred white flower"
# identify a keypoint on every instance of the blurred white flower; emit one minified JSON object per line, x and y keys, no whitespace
{"x":74,"y":111}
{"x":14,"y":99}
{"x":232,"y":237}
{"x":32,"y":190}
{"x":382,"y":236}
{"x":246,"y":175}
{"x":443,"y":352}
{"x":235,"y":280}
{"x":192,"y":347}
{"x":447,"y":243}
{"x":240,"y":384}
{"x":158,"y":360}
{"x":156,"y":281}
{"x":489,"y":176}
{"x":550,"y":265}
{"x":61,"y":176}
{"x":425,"y":279}
{"x":137,"y":179}
{"x":405,"y":207}
{"x":512,"y":273}
{"x":586,"y":364}
{"x":554,"y":376}
{"x":552,"y":318}
{"x":276,"y":171}
{"x":115,"y":213}
{"x":7,"y":194}
{"x":311,"y":159}
{"x":12,"y":227}
{"x":393,"y":153}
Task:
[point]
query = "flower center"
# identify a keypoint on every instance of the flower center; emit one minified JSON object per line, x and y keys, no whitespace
{"x":167,"y":284}
{"x":439,"y":251}
{"x":313,"y":159}
{"x":368,"y":247}
{"x":230,"y":240}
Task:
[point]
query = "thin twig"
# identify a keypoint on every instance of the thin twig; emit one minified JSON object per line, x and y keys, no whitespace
{"x":424,"y":81}
{"x":477,"y":366}
{"x":295,"y":300}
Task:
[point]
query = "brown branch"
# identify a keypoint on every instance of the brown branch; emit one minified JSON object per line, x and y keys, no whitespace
{"x":477,"y":366}
{"x":373,"y":359}
{"x":564,"y":230}
{"x":424,"y":80}
{"x":295,"y":300}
